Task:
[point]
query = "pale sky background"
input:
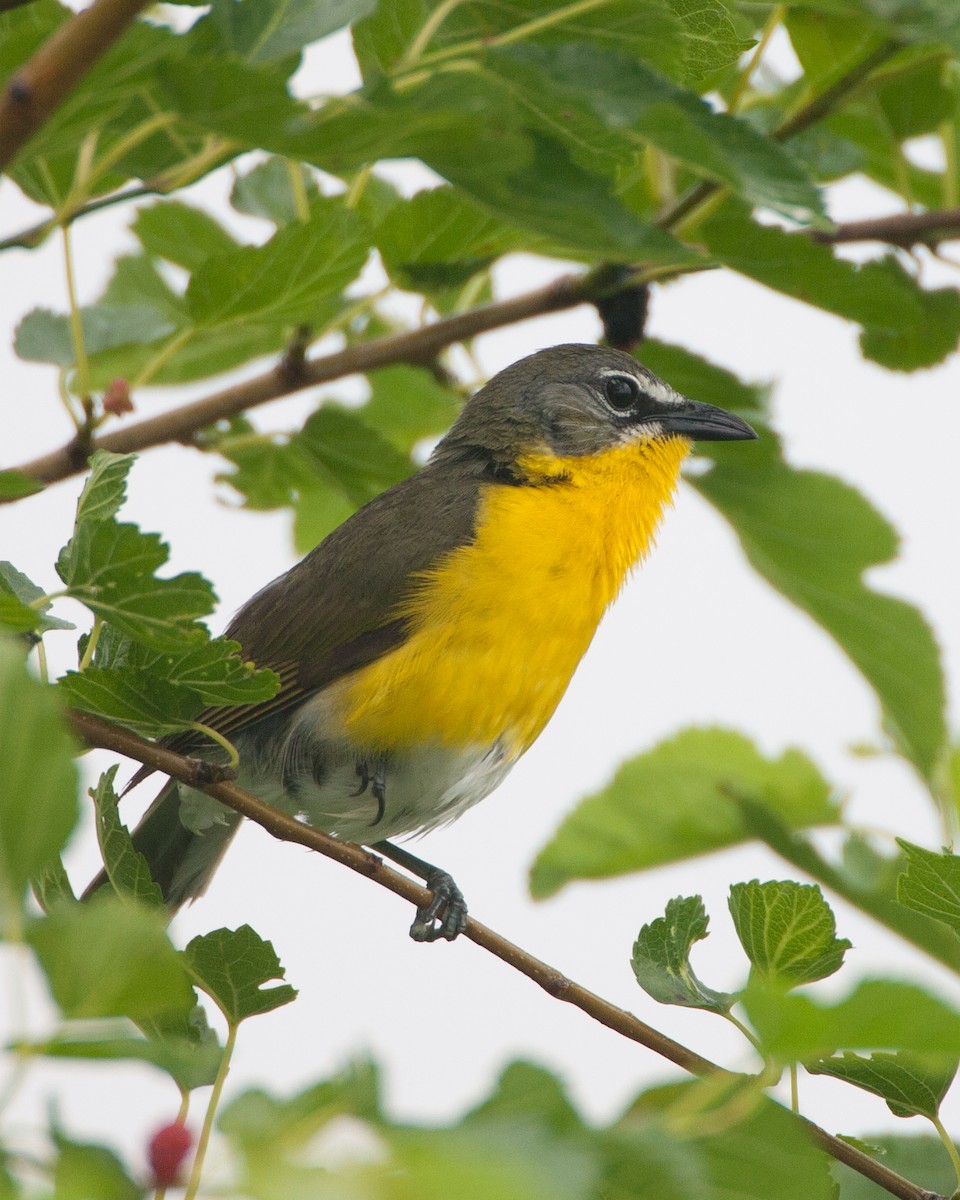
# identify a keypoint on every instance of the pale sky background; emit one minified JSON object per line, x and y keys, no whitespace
{"x":444,"y":1019}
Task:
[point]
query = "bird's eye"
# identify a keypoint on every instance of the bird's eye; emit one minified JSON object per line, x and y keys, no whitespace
{"x":621,"y":391}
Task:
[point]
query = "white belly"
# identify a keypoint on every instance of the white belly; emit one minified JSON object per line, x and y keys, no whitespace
{"x":423,"y":789}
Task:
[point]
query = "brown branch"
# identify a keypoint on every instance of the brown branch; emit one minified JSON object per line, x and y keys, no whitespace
{"x":899,"y":229}
{"x":42,"y":84}
{"x":97,"y":732}
{"x":413,"y":346}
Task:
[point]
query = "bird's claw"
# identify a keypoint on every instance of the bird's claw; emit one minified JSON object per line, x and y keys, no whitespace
{"x":446,"y":914}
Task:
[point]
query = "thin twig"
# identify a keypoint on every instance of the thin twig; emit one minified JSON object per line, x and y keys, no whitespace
{"x":97,"y":732}
{"x":42,"y":84}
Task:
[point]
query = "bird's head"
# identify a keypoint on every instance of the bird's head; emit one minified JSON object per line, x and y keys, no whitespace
{"x":576,"y":400}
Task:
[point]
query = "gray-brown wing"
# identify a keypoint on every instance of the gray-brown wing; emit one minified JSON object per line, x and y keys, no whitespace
{"x":335,"y":611}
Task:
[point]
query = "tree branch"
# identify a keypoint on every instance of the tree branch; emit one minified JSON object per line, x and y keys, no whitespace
{"x":413,"y":346}
{"x":42,"y":84}
{"x":900,"y":229}
{"x":97,"y":732}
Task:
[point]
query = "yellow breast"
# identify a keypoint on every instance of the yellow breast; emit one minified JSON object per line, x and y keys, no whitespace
{"x":499,"y":625}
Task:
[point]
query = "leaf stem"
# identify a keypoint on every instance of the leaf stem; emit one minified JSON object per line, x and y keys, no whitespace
{"x":162,"y":356}
{"x":92,"y":640}
{"x":204,"y":1139}
{"x":181,"y":1119}
{"x":427,"y":31}
{"x":794,"y":1089}
{"x":746,"y":1031}
{"x":216,"y":736}
{"x":214,"y":153}
{"x":950,"y":1148}
{"x":42,"y":661}
{"x":553,"y":17}
{"x":357,"y":186}
{"x":301,"y":202}
{"x":76,"y":321}
{"x":773,"y":22}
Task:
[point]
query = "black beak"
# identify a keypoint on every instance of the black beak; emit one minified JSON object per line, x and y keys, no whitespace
{"x":704,"y":423}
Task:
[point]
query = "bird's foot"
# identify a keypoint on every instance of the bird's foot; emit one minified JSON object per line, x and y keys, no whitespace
{"x":446,"y":914}
{"x":363,"y":771}
{"x":379,"y":788}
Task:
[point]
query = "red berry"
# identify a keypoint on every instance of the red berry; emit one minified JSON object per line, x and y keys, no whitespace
{"x":168,"y":1148}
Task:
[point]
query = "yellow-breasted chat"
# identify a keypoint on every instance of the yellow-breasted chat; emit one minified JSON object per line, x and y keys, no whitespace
{"x":426,"y":642}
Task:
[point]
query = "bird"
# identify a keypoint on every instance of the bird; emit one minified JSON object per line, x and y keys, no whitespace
{"x":425,"y":643}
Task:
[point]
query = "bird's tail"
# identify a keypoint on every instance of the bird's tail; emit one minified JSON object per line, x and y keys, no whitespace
{"x":181,"y":861}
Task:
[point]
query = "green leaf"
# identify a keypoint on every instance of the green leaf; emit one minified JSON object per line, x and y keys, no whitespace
{"x":863,"y":877}
{"x":813,"y":537}
{"x":921,"y":1159}
{"x":105,"y":488}
{"x":231,"y":966}
{"x":181,"y":234}
{"x":136,"y":280}
{"x":770,"y":1153}
{"x":262,"y":32}
{"x":552,"y":195}
{"x":609,"y":101}
{"x":45,"y":336}
{"x":677,"y":801}
{"x":734,"y":1142}
{"x":255,"y":1118}
{"x":188,"y":1048}
{"x":660,"y":32}
{"x":14,"y":485}
{"x":191,"y":1064}
{"x":440,"y":238}
{"x":935,"y":21}
{"x":319,"y":510}
{"x":38,"y":799}
{"x":52,"y":885}
{"x":470,"y":130}
{"x":710,"y":39}
{"x":878,"y":1014}
{"x":787,"y":930}
{"x":479,"y":1161}
{"x":110,"y":958}
{"x":268,"y":190}
{"x":904,"y":326}
{"x":156,"y":691}
{"x":249,"y":104}
{"x":293,"y":278}
{"x":84,"y":1171}
{"x":931,"y":884}
{"x":407,"y":404}
{"x":114,"y":100}
{"x":348,"y":452}
{"x":126,"y":868}
{"x":910,"y":1086}
{"x":19,"y":610}
{"x":527,"y":1092}
{"x":661,"y":957}
{"x":111,"y":569}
